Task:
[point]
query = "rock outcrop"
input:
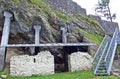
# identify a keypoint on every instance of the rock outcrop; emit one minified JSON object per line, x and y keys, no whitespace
{"x":66,"y":6}
{"x":107,"y":25}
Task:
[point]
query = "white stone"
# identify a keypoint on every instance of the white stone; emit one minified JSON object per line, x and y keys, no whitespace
{"x":24,"y":65}
{"x":79,"y":61}
{"x":4,"y":76}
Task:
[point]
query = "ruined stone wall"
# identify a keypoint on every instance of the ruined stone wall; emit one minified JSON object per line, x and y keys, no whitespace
{"x":79,"y":61}
{"x":24,"y":65}
{"x":66,"y":6}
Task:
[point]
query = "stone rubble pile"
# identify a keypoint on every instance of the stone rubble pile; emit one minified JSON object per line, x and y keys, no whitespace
{"x":79,"y":61}
{"x":25,"y":65}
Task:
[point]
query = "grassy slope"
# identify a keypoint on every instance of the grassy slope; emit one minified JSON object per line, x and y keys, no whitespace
{"x":94,"y":38}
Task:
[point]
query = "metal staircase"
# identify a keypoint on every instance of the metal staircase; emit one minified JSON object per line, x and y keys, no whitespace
{"x":104,"y":57}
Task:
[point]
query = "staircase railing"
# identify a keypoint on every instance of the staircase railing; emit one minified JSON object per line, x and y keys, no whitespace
{"x":101,"y":57}
{"x":100,"y":50}
{"x":111,"y":52}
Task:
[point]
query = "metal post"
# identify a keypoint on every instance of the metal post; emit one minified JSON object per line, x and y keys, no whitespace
{"x":37,"y":29}
{"x":64,"y":35}
{"x":5,"y":38}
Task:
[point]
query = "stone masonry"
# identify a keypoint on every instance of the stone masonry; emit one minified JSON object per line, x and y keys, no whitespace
{"x":24,"y":65}
{"x":79,"y":61}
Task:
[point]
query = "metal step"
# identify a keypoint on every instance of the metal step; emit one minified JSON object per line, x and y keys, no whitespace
{"x":101,"y":74}
{"x":101,"y":71}
{"x":101,"y":68}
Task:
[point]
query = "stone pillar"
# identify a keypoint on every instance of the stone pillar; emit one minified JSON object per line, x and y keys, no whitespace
{"x":5,"y":38}
{"x":37,"y":29}
{"x":64,"y":35}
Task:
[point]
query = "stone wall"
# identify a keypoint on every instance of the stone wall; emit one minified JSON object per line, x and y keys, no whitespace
{"x":79,"y":61}
{"x":24,"y":65}
{"x":66,"y":6}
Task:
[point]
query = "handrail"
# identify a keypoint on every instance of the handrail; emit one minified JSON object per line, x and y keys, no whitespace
{"x":101,"y":57}
{"x":110,"y":44}
{"x":100,"y":49}
{"x":112,"y":58}
{"x":111,"y":52}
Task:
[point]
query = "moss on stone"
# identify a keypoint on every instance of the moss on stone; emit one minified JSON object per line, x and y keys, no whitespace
{"x":41,"y":4}
{"x":89,"y":20}
{"x":16,"y":1}
{"x":63,"y":16}
{"x":93,"y":37}
{"x":118,"y":49}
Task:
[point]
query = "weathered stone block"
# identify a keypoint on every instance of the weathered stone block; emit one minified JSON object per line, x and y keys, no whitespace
{"x":24,"y":65}
{"x":79,"y":61}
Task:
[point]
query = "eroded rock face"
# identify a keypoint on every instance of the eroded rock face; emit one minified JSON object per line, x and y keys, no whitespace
{"x":79,"y":61}
{"x":24,"y":65}
{"x":66,"y":6}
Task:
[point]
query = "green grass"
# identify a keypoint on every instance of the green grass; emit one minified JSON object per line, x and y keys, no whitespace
{"x":89,"y":21}
{"x":16,"y":1}
{"x":66,"y":75}
{"x":41,"y":6}
{"x":93,"y":37}
{"x":118,"y":49}
{"x":40,"y":3}
{"x":63,"y":16}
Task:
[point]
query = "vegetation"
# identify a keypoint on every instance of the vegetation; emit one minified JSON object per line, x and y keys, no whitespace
{"x":41,"y":6}
{"x":16,"y":1}
{"x":89,"y":20}
{"x":65,"y":75}
{"x":118,"y":49}
{"x":39,"y":2}
{"x":63,"y":16}
{"x":104,"y":9}
{"x":46,"y":10}
{"x":93,"y":37}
